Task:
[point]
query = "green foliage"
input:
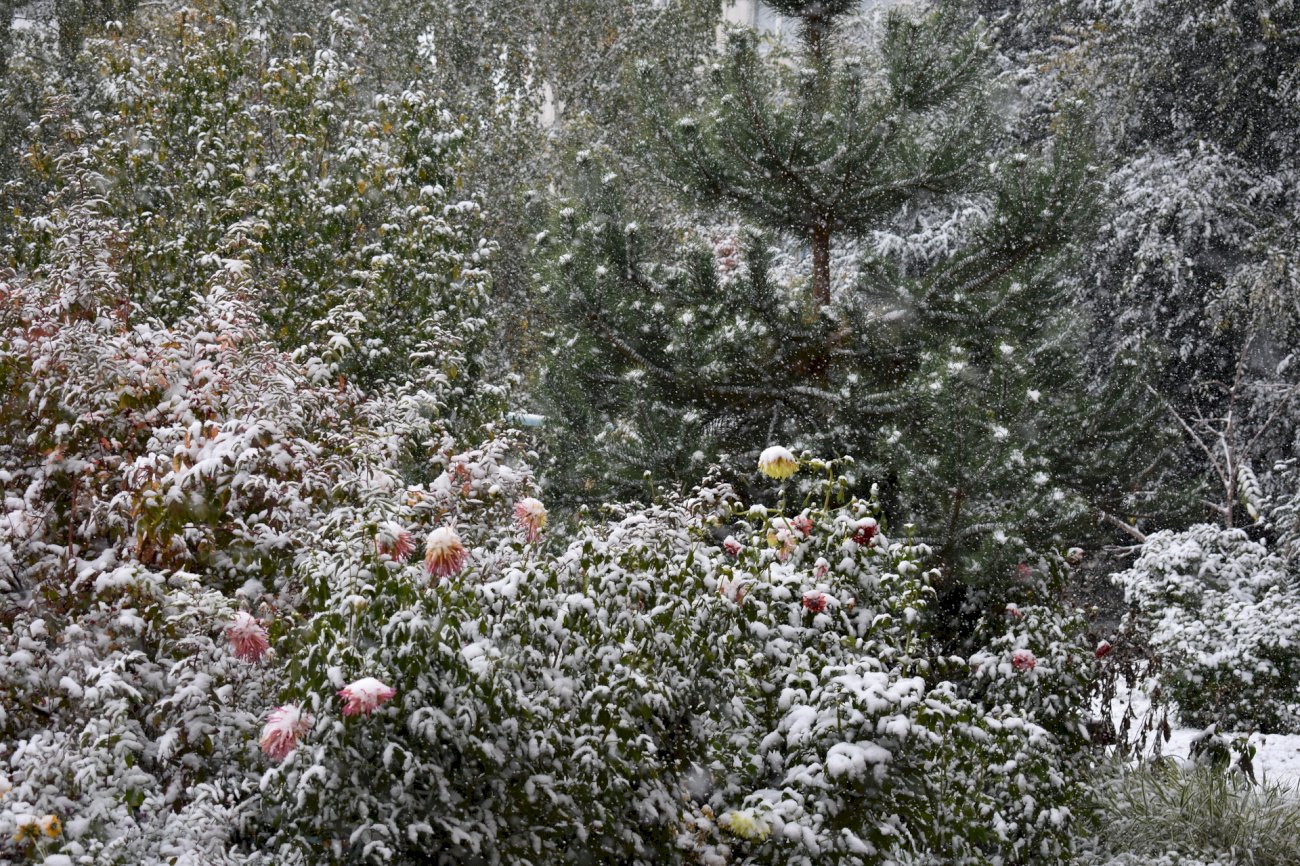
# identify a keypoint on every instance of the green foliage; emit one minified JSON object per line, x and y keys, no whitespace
{"x":1201,"y":814}
{"x":639,"y":692}
{"x":215,"y":151}
{"x":961,"y":382}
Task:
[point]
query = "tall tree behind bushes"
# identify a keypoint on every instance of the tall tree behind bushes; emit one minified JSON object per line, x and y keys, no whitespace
{"x":959,"y":379}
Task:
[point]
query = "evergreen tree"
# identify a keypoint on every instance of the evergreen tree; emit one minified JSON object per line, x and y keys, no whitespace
{"x":957,"y":378}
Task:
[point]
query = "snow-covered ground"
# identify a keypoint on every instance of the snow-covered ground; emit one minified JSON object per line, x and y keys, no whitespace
{"x":1277,"y":756}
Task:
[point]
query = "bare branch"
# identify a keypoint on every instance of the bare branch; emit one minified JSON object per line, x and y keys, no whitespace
{"x":1113,"y":521}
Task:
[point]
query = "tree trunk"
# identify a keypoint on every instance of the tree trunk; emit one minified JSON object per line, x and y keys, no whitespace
{"x":821,"y":267}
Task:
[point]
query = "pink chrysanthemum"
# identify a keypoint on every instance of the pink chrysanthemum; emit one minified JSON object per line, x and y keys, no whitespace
{"x":732,"y":546}
{"x":803,"y":525}
{"x":284,"y":727}
{"x":530,"y":516}
{"x":814,"y":601}
{"x":1023,"y":660}
{"x":364,"y":695}
{"x":821,"y":567}
{"x":393,"y":540}
{"x":444,"y":554}
{"x":783,"y":537}
{"x":1014,"y":612}
{"x":866,"y":530}
{"x":734,"y":589}
{"x":247,"y":637}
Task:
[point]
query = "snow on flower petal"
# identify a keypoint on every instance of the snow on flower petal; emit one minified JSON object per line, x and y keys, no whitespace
{"x":745,"y":825}
{"x":777,"y":462}
{"x":1023,"y":660}
{"x":51,"y":826}
{"x":284,"y":727}
{"x":814,"y":601}
{"x":865,"y":530}
{"x":364,"y":695}
{"x":394,"y":540}
{"x":444,"y":554}
{"x":248,"y":637}
{"x":734,"y":588}
{"x":530,"y":516}
{"x":783,"y":536}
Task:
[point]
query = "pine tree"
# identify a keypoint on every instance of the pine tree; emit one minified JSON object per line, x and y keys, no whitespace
{"x":954,"y":378}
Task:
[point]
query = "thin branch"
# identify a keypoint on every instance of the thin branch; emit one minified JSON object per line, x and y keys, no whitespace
{"x":1209,"y":454}
{"x":1113,"y":521}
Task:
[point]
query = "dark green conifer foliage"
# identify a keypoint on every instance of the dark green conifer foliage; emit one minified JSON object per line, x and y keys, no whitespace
{"x":955,"y":381}
{"x":830,"y":149}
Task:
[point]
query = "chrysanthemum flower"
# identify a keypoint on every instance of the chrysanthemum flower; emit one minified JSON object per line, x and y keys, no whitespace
{"x":821,"y":567}
{"x":1103,"y":649}
{"x":803,"y":525}
{"x":1023,"y":660}
{"x":745,"y":825}
{"x":1014,"y":612}
{"x":734,"y":588}
{"x":28,"y":829}
{"x":51,"y":826}
{"x":284,"y":727}
{"x":530,"y":516}
{"x":777,"y":462}
{"x":444,"y":554}
{"x":394,"y":540}
{"x":732,"y":546}
{"x":247,"y":637}
{"x":814,"y":601}
{"x":364,"y":695}
{"x":782,"y":536}
{"x":866,"y":530}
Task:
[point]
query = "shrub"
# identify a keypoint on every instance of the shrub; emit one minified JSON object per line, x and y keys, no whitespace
{"x":159,"y":478}
{"x":1221,"y":609}
{"x":649,"y":691}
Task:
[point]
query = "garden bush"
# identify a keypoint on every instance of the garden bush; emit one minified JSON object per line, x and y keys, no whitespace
{"x":1220,"y":608}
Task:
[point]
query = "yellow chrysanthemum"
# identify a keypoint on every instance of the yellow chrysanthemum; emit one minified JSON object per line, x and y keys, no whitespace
{"x":51,"y":826}
{"x":777,"y":462}
{"x":28,"y":831}
{"x":746,"y":826}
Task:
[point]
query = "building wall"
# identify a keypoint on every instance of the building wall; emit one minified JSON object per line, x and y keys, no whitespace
{"x":755,"y":13}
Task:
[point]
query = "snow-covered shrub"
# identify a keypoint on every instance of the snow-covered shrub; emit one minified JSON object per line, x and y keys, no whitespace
{"x":152,"y":479}
{"x":222,"y":144}
{"x":161,"y":481}
{"x":1038,"y":634}
{"x":671,"y":683}
{"x":1222,"y":610}
{"x":689,"y":681}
